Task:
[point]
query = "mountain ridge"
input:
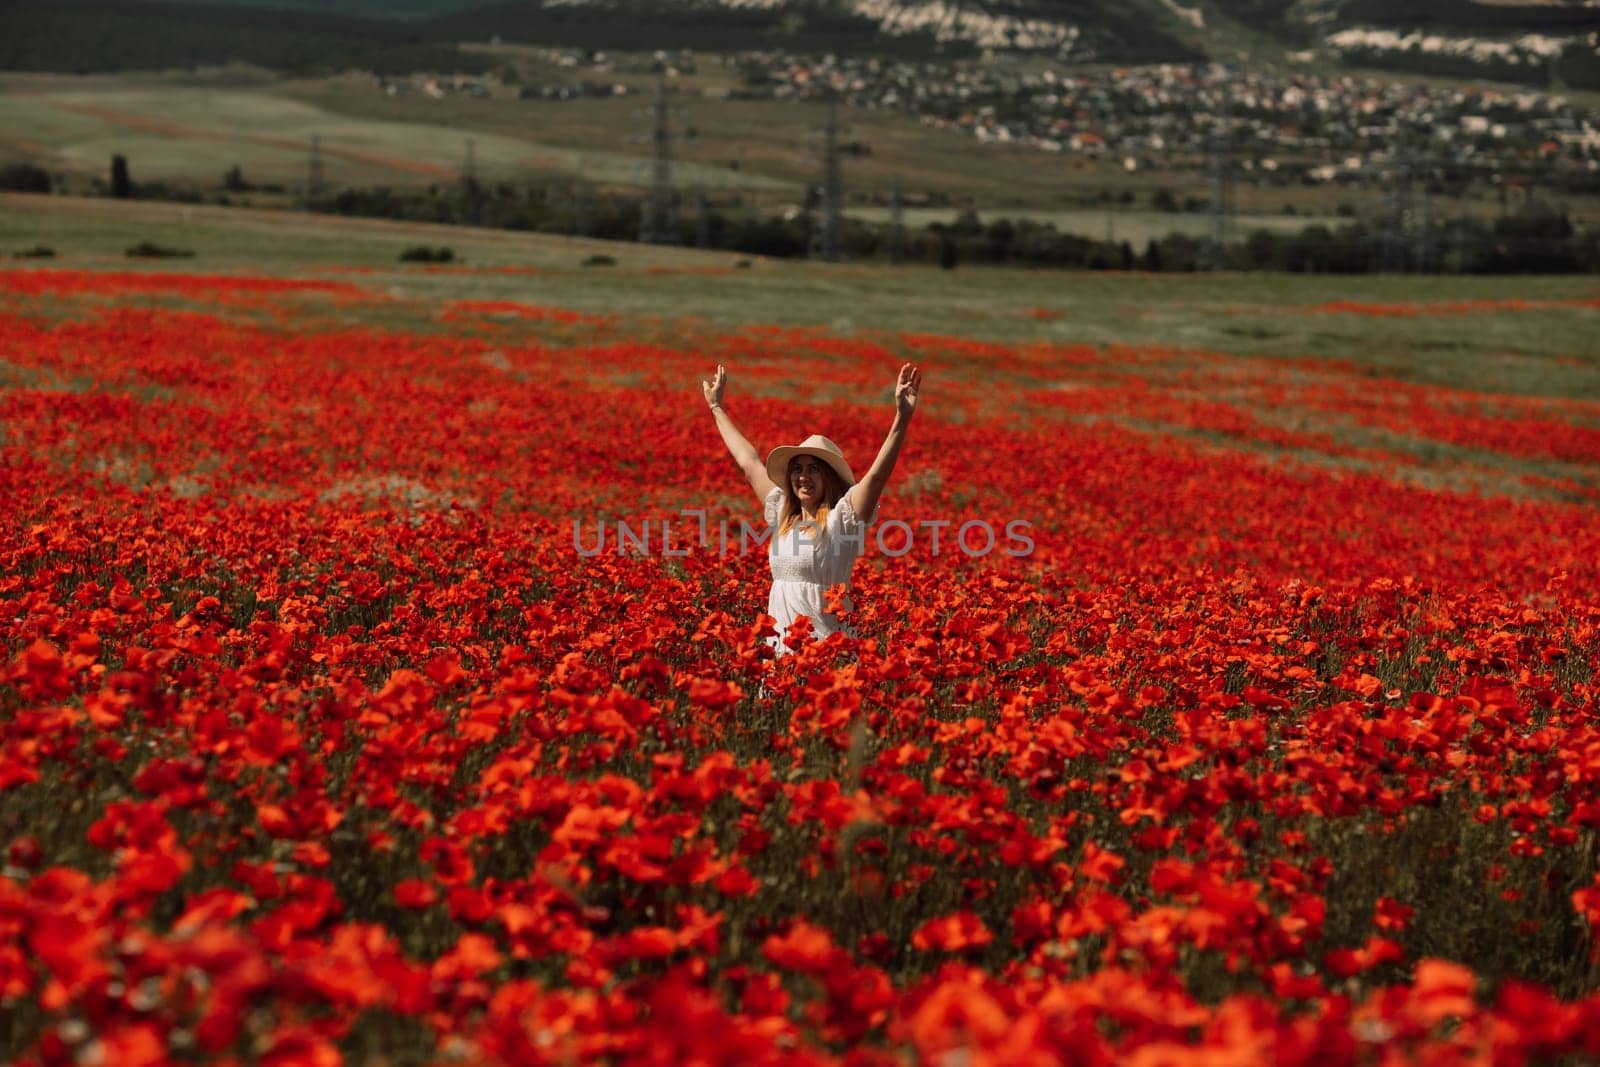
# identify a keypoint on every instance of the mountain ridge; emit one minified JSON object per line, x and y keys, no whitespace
{"x":1551,"y":42}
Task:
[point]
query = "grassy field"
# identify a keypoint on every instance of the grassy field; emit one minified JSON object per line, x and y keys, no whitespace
{"x":780,"y":140}
{"x":1543,"y":351}
{"x":177,"y":132}
{"x":192,"y":128}
{"x":1115,"y":224}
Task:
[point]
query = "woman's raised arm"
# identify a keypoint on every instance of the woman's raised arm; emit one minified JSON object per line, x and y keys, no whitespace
{"x":865,"y":493}
{"x":743,"y":452}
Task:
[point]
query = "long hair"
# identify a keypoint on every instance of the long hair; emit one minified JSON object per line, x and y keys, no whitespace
{"x":833,"y":490}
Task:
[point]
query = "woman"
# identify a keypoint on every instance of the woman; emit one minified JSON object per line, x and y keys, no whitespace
{"x":814,"y":506}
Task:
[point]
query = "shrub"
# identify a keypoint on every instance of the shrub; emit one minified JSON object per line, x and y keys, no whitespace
{"x":151,"y":250}
{"x":600,"y":260}
{"x":36,"y":252}
{"x":425,"y":254}
{"x":24,"y":178}
{"x":121,"y":183}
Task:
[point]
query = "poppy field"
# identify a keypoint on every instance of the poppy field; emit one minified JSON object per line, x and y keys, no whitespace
{"x":327,"y":734}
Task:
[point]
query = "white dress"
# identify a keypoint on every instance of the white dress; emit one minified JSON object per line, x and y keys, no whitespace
{"x":805,"y":565}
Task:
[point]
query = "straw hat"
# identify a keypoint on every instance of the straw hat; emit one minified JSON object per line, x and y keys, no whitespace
{"x":815,"y":445}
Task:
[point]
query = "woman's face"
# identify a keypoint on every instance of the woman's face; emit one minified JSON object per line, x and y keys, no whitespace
{"x":807,"y":479}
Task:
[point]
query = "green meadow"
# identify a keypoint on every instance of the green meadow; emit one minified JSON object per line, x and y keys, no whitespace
{"x":1550,"y":351}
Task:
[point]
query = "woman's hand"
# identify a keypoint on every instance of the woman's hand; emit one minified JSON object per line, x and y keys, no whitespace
{"x":739,"y":447}
{"x":713,"y":388}
{"x":865,"y":493}
{"x":905,"y":391}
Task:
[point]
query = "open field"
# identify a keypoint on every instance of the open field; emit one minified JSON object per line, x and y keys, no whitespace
{"x":181,"y":132}
{"x":338,"y":725}
{"x":761,"y":154}
{"x":765,"y":150}
{"x":781,"y":140}
{"x":1113,"y":224}
{"x":1550,"y":352}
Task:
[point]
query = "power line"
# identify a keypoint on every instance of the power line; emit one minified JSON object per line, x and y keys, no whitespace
{"x":897,"y":223}
{"x":832,"y":185}
{"x":580,"y":200}
{"x":314,"y":177}
{"x":1396,"y":244}
{"x":1221,"y":198}
{"x":1221,"y":189}
{"x":702,"y":219}
{"x":1428,"y":255}
{"x":469,"y":185}
{"x":654,"y":222}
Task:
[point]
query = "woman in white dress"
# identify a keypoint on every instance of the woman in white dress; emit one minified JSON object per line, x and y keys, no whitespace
{"x":814,"y":506}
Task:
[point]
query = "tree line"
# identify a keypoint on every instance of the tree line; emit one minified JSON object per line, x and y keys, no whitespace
{"x":1537,"y":237}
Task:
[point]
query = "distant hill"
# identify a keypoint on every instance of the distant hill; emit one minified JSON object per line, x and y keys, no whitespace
{"x":1535,"y":43}
{"x":385,"y":35}
{"x":84,"y":36}
{"x":1130,"y":31}
{"x":391,"y":9}
{"x":1545,"y":44}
